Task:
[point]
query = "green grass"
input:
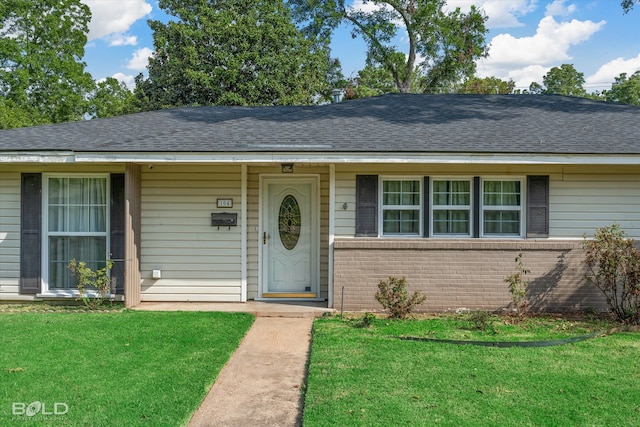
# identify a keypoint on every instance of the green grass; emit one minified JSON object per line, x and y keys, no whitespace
{"x":361,"y":376}
{"x":113,"y":369}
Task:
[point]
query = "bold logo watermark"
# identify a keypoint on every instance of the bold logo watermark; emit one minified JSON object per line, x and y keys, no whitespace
{"x":34,"y":408}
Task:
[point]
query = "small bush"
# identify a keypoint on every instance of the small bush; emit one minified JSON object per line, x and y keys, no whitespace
{"x":393,"y":296}
{"x":614,"y":268}
{"x":518,"y":286}
{"x":479,"y":319}
{"x":98,"y":280}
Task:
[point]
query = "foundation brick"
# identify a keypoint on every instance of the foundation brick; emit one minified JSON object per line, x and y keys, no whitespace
{"x":463,"y":273}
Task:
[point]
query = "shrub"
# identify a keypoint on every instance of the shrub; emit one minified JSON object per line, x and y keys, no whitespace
{"x":393,"y":296}
{"x":518,"y":286}
{"x":480,"y":319}
{"x":614,"y":268}
{"x":98,"y":280}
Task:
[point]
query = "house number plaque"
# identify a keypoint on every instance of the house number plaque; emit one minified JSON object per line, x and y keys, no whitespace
{"x":224,"y":203}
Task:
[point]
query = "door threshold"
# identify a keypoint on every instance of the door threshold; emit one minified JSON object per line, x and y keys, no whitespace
{"x":292,"y":295}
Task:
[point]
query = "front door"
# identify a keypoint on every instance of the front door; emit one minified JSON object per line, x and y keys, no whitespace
{"x":289,"y":238}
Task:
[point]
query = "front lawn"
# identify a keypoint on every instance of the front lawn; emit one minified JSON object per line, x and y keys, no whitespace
{"x":362,"y":375}
{"x":124,"y":368}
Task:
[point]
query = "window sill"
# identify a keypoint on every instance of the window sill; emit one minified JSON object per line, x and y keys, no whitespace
{"x":456,"y":244}
{"x":69,"y":295}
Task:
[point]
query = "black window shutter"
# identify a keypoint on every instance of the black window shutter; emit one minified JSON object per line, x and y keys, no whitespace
{"x":425,"y":207}
{"x":538,"y":206}
{"x":367,"y":205}
{"x":117,"y":231}
{"x":30,"y":233}
{"x":476,"y":206}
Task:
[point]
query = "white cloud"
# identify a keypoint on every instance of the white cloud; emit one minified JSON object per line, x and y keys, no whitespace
{"x":122,"y":40}
{"x":607,"y":73}
{"x":523,"y":57}
{"x":367,"y":6}
{"x":558,"y":8}
{"x":114,"y":16}
{"x":140,"y":59}
{"x":501,"y":13}
{"x":129,"y":80}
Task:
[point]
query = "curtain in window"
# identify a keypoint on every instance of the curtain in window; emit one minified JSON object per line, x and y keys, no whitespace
{"x":457,"y":195}
{"x":77,"y":209}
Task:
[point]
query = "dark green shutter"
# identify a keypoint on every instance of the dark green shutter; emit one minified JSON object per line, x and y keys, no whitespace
{"x":476,"y":206}
{"x":538,"y":206}
{"x":425,"y":207}
{"x":367,"y":205}
{"x":116,"y":237}
{"x":30,"y":233}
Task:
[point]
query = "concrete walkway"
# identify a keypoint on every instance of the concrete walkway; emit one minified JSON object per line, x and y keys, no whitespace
{"x":261,"y":385}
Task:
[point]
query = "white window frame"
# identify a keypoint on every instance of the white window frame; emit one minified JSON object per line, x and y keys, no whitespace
{"x":520,"y":209}
{"x":433,"y":207}
{"x":382,"y":207}
{"x":68,"y":292}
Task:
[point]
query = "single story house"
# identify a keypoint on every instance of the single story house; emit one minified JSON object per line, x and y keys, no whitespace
{"x":320,"y":203}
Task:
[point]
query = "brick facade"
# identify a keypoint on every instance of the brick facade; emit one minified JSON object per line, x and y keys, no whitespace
{"x":465,"y":273}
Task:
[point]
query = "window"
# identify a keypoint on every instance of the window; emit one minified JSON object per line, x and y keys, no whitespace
{"x":76,"y":224}
{"x":401,"y":207}
{"x":491,"y":207}
{"x":501,"y":208}
{"x":451,"y":207}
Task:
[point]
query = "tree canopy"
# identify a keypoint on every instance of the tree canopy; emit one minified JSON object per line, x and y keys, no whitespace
{"x":627,"y":5}
{"x":231,"y":52}
{"x":447,"y":43}
{"x":42,"y":77}
{"x":487,"y":86}
{"x":112,"y":98}
{"x":564,"y":80}
{"x":625,"y":89}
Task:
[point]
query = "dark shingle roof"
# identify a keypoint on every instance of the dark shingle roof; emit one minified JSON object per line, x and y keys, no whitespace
{"x":390,"y":123}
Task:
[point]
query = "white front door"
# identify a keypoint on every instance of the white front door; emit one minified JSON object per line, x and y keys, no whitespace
{"x":290,"y":236}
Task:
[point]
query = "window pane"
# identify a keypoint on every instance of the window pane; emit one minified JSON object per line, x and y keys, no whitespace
{"x":401,"y":193}
{"x":77,"y":204}
{"x":502,"y":222}
{"x":62,"y":250}
{"x":451,"y":222}
{"x":452,"y":193}
{"x":501,"y":193}
{"x":401,"y":222}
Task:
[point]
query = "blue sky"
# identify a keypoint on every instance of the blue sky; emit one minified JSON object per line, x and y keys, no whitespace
{"x":527,"y":38}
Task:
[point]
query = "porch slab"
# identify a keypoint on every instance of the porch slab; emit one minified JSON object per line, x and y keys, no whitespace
{"x":290,"y":309}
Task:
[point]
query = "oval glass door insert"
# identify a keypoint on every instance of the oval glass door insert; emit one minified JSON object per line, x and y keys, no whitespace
{"x":289,"y":222}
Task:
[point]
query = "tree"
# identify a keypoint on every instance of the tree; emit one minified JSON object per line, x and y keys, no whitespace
{"x":448,"y":42}
{"x":627,"y":5}
{"x":535,"y":88}
{"x":232,"y":52}
{"x":16,"y":117}
{"x":624,"y":90}
{"x":564,"y":80}
{"x":487,"y":86}
{"x":41,"y":44}
{"x":112,"y":98}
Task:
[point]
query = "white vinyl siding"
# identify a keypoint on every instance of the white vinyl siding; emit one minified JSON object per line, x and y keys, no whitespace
{"x":579,"y":203}
{"x":10,"y":237}
{"x":198,"y":261}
